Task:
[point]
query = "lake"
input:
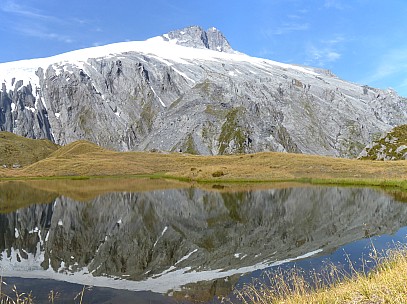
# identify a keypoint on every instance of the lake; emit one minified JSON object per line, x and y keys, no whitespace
{"x":170,"y":242}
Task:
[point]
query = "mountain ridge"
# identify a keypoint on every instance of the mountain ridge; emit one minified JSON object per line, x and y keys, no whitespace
{"x":159,"y":95}
{"x":197,"y":37}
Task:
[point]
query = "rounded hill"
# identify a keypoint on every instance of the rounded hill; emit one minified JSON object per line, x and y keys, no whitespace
{"x":76,"y":148}
{"x":17,"y":151}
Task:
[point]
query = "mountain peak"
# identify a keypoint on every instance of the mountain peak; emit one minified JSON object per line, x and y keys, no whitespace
{"x":197,"y":37}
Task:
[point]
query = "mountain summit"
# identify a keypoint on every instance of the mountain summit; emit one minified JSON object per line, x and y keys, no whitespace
{"x":189,"y":91}
{"x":196,"y":37}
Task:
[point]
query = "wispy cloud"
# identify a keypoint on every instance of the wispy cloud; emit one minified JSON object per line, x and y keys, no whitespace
{"x":28,"y":12}
{"x":287,"y":28}
{"x":33,"y":22}
{"x":44,"y":34}
{"x":321,"y":56}
{"x":336,"y":4}
{"x":392,"y":64}
{"x":324,"y":52}
{"x":294,"y":22}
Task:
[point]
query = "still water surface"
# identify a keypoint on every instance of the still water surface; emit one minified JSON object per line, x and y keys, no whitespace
{"x":185,"y":244}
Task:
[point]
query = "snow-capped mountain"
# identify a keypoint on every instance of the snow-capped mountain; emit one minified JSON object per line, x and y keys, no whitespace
{"x":189,"y":91}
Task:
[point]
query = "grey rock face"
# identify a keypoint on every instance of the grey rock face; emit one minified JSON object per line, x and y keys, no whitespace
{"x":197,"y":97}
{"x":19,"y":114}
{"x":196,"y":37}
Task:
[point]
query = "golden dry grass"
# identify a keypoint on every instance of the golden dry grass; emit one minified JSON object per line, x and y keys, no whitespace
{"x":386,"y":284}
{"x":86,"y":159}
{"x":18,"y":150}
{"x":17,"y":297}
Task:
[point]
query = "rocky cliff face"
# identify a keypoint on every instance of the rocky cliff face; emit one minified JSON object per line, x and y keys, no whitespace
{"x":196,"y":37}
{"x":164,"y":239}
{"x":189,"y":91}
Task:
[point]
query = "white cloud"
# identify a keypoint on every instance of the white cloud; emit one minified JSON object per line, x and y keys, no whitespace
{"x":32,"y":22}
{"x":321,"y":56}
{"x":336,"y":4}
{"x":43,"y":34}
{"x":287,"y":28}
{"x":295,"y":23}
{"x":17,"y":9}
{"x":324,"y":52}
{"x":332,"y":56}
{"x":392,"y":64}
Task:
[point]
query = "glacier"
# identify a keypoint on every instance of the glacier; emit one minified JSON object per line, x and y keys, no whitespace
{"x":189,"y":91}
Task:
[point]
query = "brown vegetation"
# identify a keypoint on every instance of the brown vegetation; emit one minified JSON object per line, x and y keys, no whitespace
{"x":86,"y":159}
{"x":385,"y":284}
{"x":83,"y":159}
{"x":20,"y":151}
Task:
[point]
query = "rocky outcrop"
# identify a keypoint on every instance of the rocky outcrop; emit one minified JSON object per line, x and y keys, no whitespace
{"x":196,"y":37}
{"x":189,"y":91}
{"x":391,"y":146}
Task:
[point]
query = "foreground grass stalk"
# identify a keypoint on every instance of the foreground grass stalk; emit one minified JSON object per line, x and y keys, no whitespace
{"x":386,"y":283}
{"x":24,"y":298}
{"x":17,"y":298}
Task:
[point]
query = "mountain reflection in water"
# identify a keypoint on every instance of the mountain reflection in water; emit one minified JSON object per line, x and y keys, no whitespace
{"x":165,"y":239}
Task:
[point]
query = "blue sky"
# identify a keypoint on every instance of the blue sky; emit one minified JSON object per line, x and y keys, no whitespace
{"x":363,"y":41}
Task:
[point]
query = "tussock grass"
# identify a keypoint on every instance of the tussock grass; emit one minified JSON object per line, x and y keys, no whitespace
{"x":17,"y":297}
{"x":77,"y":148}
{"x":83,"y":159}
{"x":387,"y":283}
{"x":20,"y":151}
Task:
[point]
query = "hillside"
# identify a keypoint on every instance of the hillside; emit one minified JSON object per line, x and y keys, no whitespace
{"x":189,"y":91}
{"x":391,"y":146}
{"x":81,"y":159}
{"x":77,"y":148}
{"x":19,"y":151}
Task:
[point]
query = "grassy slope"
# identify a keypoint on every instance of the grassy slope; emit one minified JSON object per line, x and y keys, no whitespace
{"x":386,"y":284}
{"x":23,"y":151}
{"x":85,"y":159}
